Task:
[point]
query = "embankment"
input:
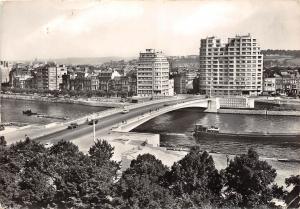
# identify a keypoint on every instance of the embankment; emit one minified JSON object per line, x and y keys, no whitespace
{"x":113,"y":102}
{"x":259,"y":112}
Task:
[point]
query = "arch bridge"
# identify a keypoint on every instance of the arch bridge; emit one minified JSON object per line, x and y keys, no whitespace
{"x":134,"y":122}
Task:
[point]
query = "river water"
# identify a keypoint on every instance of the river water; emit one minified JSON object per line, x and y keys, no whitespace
{"x":177,"y":128}
{"x":11,"y":111}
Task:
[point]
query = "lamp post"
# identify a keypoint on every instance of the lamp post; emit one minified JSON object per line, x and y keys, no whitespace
{"x":94,"y":129}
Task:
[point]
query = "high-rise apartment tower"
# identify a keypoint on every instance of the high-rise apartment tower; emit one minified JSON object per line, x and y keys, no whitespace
{"x":152,"y":74}
{"x":235,"y":68}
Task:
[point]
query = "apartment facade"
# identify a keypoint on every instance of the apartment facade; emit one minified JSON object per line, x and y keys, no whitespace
{"x":5,"y":68}
{"x":287,"y":82}
{"x":152,"y":74}
{"x":50,"y":77}
{"x":234,"y":68}
{"x":180,"y":82}
{"x":270,"y":85}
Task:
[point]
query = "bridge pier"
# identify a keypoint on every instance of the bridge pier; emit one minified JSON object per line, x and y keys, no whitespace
{"x":213,"y":105}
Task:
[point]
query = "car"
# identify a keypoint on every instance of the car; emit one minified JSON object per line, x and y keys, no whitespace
{"x":91,"y":122}
{"x":73,"y":125}
{"x":124,"y":111}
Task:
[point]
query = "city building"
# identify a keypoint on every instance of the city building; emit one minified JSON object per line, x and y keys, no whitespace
{"x":180,"y":82}
{"x":171,"y":87}
{"x":5,"y":68}
{"x":19,"y":76}
{"x":50,"y":76}
{"x":152,"y":74}
{"x":94,"y":82}
{"x":235,"y":102}
{"x":270,"y":85}
{"x":287,"y":82}
{"x":190,"y":75}
{"x":235,"y":68}
{"x":22,"y":81}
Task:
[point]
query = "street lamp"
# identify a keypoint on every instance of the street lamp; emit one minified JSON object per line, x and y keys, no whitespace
{"x":94,"y":130}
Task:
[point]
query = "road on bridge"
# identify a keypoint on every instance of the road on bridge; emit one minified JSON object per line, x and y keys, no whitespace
{"x":85,"y":129}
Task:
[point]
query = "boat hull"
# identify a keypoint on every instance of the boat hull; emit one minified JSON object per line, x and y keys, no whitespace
{"x":246,"y":136}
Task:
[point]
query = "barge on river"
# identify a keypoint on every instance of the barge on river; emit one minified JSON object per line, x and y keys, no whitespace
{"x":29,"y":112}
{"x":202,"y":132}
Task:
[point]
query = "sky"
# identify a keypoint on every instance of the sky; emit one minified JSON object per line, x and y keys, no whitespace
{"x":100,"y":28}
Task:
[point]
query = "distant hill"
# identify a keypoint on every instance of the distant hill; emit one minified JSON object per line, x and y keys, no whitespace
{"x":287,"y":58}
{"x":88,"y":60}
{"x":291,"y":53}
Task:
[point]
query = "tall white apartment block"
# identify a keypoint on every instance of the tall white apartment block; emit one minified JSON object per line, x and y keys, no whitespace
{"x":235,"y":68}
{"x":152,"y":74}
{"x":50,"y":76}
{"x":55,"y":74}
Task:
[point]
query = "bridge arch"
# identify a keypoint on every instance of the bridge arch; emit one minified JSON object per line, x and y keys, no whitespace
{"x":139,"y":120}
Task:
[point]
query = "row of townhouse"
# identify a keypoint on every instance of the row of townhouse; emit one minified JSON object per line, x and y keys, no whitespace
{"x":59,"y":77}
{"x":44,"y":77}
{"x":104,"y":81}
{"x":284,"y":82}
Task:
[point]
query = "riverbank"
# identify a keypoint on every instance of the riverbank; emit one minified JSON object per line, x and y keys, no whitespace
{"x":168,"y":158}
{"x":95,"y":102}
{"x":259,"y":112}
{"x":127,"y":146}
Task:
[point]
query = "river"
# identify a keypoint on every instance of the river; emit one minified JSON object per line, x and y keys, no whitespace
{"x":176,"y":128}
{"x":11,"y":111}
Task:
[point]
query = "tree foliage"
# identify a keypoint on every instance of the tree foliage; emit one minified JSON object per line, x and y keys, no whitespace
{"x":249,"y":181}
{"x":2,"y":141}
{"x":32,"y":176}
{"x":140,"y":185}
{"x":195,"y":173}
{"x":293,"y":197}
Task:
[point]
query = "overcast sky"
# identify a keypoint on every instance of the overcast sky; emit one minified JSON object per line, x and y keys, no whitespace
{"x":65,"y":28}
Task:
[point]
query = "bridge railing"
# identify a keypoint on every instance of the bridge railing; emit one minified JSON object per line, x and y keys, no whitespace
{"x":105,"y":113}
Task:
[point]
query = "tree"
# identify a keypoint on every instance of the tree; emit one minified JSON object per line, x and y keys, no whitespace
{"x":2,"y":141}
{"x":35,"y":189}
{"x":140,"y":185}
{"x":248,"y":181}
{"x":293,"y":197}
{"x":13,"y":160}
{"x":195,"y":174}
{"x":32,"y":176}
{"x":101,"y":152}
{"x":147,"y":164}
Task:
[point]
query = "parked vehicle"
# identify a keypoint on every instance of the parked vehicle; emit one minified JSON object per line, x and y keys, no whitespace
{"x":73,"y":125}
{"x":91,"y":122}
